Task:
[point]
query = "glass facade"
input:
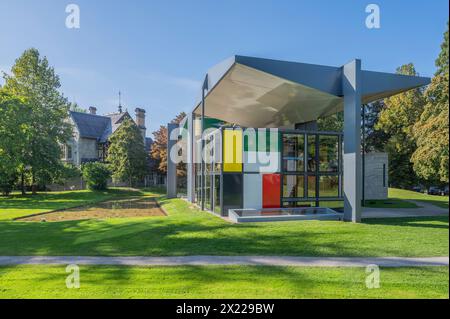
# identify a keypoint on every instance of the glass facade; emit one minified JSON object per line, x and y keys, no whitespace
{"x":310,"y":174}
{"x":320,"y":180}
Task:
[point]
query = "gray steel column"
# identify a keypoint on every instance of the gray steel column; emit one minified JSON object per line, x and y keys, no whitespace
{"x":190,"y":159}
{"x":171,"y":166}
{"x":351,"y":87}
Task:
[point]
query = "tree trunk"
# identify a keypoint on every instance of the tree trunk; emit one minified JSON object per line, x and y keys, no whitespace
{"x":22,"y":183}
{"x":33,"y":185}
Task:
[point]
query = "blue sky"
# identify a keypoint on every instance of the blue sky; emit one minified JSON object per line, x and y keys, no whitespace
{"x":157,"y":52}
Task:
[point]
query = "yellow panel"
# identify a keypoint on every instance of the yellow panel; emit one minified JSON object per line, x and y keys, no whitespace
{"x":232,"y":150}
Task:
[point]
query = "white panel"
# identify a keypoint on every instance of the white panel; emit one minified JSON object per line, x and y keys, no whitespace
{"x":253,"y":191}
{"x":262,"y":162}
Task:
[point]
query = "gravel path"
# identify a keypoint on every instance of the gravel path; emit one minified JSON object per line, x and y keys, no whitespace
{"x":228,"y":260}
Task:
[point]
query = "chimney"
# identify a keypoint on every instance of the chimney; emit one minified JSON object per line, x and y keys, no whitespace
{"x":92,"y":110}
{"x":140,"y":120}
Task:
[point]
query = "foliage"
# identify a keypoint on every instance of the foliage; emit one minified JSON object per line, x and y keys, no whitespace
{"x":14,"y":131}
{"x":158,"y":151}
{"x":96,"y":175}
{"x":333,"y":122}
{"x":68,"y":171}
{"x":76,"y":108}
{"x":397,"y":120}
{"x":376,"y":139}
{"x":126,"y":153}
{"x":431,"y":132}
{"x":35,"y":82}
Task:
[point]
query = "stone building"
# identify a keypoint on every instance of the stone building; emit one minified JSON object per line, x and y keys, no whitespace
{"x":91,"y":132}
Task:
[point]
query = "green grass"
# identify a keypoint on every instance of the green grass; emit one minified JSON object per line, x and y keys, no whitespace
{"x":397,"y":198}
{"x":222,"y":282}
{"x":441,"y":201}
{"x":16,"y":205}
{"x":188,"y":231}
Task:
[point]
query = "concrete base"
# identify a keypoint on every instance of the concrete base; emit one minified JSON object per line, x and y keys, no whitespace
{"x":267,"y":215}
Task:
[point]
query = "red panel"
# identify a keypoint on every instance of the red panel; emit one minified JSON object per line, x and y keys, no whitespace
{"x":271,"y":190}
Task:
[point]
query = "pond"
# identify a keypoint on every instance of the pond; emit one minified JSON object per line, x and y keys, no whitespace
{"x":118,"y":208}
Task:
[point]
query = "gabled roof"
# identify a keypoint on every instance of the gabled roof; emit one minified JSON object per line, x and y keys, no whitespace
{"x":98,"y":127}
{"x":90,"y":125}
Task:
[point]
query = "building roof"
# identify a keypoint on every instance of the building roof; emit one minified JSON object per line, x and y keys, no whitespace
{"x":256,"y":92}
{"x":98,"y":127}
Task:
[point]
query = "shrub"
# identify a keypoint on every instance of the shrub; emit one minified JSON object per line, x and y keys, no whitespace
{"x":96,"y":175}
{"x":66,"y":172}
{"x":6,"y":183}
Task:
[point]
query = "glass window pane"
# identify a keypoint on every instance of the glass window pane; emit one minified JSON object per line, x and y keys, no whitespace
{"x":293,"y":152}
{"x":328,"y":153}
{"x":217,"y":194}
{"x":312,"y":186}
{"x":311,"y":153}
{"x":336,"y":205}
{"x":299,"y":204}
{"x":293,"y":186}
{"x":208,"y":192}
{"x":329,"y":186}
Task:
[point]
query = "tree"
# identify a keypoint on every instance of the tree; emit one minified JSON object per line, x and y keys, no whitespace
{"x":376,"y":139}
{"x":333,"y":122}
{"x":158,"y":151}
{"x":126,"y":153}
{"x":397,"y":120}
{"x":34,"y":81}
{"x":96,"y":175}
{"x":431,"y":132}
{"x":73,"y":106}
{"x":15,"y":126}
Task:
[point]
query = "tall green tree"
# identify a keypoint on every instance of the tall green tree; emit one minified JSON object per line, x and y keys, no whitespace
{"x":34,"y":81}
{"x":126,"y":153}
{"x":376,"y":139}
{"x":14,"y":129}
{"x":431,"y":132}
{"x":397,"y":120}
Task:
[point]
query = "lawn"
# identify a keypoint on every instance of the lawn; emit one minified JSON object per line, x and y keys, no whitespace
{"x":17,"y":205}
{"x":398,"y":199}
{"x":441,"y":201}
{"x":188,"y":231}
{"x":222,"y":282}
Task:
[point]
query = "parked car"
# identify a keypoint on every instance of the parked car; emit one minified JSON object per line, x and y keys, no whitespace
{"x":419,"y":189}
{"x":445,"y":191}
{"x":434,"y":190}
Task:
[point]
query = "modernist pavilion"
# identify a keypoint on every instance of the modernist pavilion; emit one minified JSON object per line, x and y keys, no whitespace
{"x":280,"y":102}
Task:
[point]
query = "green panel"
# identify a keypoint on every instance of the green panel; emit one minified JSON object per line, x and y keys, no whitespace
{"x":271,"y":146}
{"x":211,"y":123}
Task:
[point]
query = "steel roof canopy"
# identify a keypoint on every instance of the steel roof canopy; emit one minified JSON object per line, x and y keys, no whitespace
{"x":256,"y":92}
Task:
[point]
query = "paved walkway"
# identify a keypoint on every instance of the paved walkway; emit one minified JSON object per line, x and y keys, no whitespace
{"x":228,"y":260}
{"x":423,"y":209}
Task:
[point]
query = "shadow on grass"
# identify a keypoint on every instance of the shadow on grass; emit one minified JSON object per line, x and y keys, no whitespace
{"x":438,"y":222}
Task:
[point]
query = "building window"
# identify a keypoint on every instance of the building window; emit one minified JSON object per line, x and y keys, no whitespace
{"x":68,"y":152}
{"x":328,"y":153}
{"x":329,"y":186}
{"x":293,"y":186}
{"x":293,"y":152}
{"x":311,"y":153}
